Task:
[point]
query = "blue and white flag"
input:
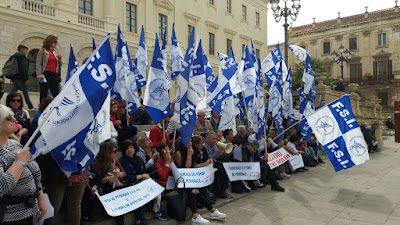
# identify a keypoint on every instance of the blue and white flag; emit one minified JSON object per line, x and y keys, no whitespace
{"x":247,"y":75}
{"x":188,"y":100}
{"x":222,"y":60}
{"x":229,"y":112}
{"x":197,"y":80}
{"x":337,"y":130}
{"x":275,"y":100}
{"x":259,"y":98}
{"x":141,"y":61}
{"x":320,"y":102}
{"x":210,"y":77}
{"x":223,"y":89}
{"x":253,"y":55}
{"x":71,"y":115}
{"x":306,"y":109}
{"x":239,"y":107}
{"x":72,"y":64}
{"x":125,"y":86}
{"x":156,"y":94}
{"x":288,"y":111}
{"x":176,"y":56}
{"x":164,"y":54}
{"x":308,"y":75}
{"x":93,"y":44}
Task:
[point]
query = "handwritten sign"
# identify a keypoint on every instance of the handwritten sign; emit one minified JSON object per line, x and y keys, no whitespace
{"x":296,"y":161}
{"x":194,"y":177}
{"x":277,"y":158}
{"x":242,"y":170}
{"x":128,"y":199}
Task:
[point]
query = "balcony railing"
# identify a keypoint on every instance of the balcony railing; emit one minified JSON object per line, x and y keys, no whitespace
{"x":90,"y":21}
{"x":358,"y":79}
{"x":39,"y":8}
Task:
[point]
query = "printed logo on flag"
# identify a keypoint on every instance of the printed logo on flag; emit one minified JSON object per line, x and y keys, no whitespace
{"x":249,"y":81}
{"x":68,"y":105}
{"x":157,"y":89}
{"x":325,"y":125}
{"x":356,"y":147}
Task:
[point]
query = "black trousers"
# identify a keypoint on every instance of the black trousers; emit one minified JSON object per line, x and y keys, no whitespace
{"x":52,"y":84}
{"x":201,"y":197}
{"x":27,"y":221}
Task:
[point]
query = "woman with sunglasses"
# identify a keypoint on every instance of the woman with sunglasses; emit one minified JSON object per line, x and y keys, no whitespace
{"x":14,"y":100}
{"x":21,"y":196}
{"x":48,"y":66}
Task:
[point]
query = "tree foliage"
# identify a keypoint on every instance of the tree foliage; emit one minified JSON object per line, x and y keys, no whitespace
{"x":318,"y":66}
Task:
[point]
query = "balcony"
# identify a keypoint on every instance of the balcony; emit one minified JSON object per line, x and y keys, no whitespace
{"x":90,"y":21}
{"x":39,"y":8}
{"x":369,"y":78}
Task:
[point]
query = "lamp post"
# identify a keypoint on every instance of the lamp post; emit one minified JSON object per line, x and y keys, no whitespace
{"x":285,"y":12}
{"x":345,"y":55}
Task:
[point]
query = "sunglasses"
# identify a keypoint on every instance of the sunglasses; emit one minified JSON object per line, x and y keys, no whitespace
{"x":16,"y":100}
{"x":10,"y":118}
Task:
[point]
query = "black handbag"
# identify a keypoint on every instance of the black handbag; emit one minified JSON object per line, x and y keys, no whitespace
{"x":176,"y":203}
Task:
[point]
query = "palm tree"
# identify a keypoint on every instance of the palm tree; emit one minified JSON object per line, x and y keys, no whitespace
{"x":318,"y":67}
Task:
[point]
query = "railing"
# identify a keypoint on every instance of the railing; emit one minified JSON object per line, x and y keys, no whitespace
{"x":379,"y":77}
{"x":90,"y":21}
{"x":39,"y":8}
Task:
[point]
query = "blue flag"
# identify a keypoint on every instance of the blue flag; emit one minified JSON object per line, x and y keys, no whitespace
{"x":288,"y":111}
{"x":164,"y":55}
{"x":239,"y":105}
{"x":141,"y":61}
{"x":156,"y":95}
{"x":210,"y":77}
{"x":176,"y":56}
{"x":72,"y":64}
{"x":259,"y":97}
{"x":93,"y":44}
{"x":275,"y":101}
{"x":71,"y":115}
{"x":125,"y":85}
{"x":337,"y":130}
{"x":306,"y":109}
{"x":187,"y":106}
{"x":223,"y":89}
{"x":222,"y":59}
{"x":248,"y":75}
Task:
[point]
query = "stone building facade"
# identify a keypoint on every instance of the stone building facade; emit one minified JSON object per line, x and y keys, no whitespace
{"x":219,"y":23}
{"x":373,"y":38}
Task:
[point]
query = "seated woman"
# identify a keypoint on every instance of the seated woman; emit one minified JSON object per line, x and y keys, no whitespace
{"x":191,"y":160}
{"x":109,"y":172}
{"x":121,"y":121}
{"x":15,"y":101}
{"x":293,"y":147}
{"x":43,"y":105}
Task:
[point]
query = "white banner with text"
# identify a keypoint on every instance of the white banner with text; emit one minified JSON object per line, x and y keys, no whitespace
{"x":242,"y":170}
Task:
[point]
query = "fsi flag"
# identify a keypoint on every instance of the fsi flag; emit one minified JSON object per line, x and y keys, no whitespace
{"x":141,"y":61}
{"x":306,"y":109}
{"x":72,"y":64}
{"x":71,"y":115}
{"x":176,"y":56}
{"x":337,"y":130}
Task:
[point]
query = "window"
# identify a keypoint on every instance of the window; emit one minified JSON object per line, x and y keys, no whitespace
{"x":257,"y":19}
{"x":383,"y":69}
{"x":384,"y":97}
{"x":131,"y":17}
{"x":244,"y":12}
{"x":228,"y":45}
{"x":211,"y":40}
{"x":382,"y":39}
{"x":353,"y":43}
{"x":85,"y":6}
{"x":211,"y":2}
{"x":356,"y":72}
{"x":162,"y":24}
{"x":258,"y":53}
{"x":229,"y":6}
{"x":327,"y":48}
{"x":190,"y":30}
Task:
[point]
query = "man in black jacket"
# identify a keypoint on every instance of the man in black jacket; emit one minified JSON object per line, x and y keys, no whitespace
{"x":21,"y":82}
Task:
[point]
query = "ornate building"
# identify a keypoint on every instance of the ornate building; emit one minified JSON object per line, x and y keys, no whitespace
{"x":373,"y":38}
{"x":219,"y":23}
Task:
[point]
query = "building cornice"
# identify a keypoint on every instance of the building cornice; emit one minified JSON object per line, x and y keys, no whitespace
{"x":229,"y":33}
{"x":191,"y":19}
{"x":165,"y":4}
{"x":211,"y":26}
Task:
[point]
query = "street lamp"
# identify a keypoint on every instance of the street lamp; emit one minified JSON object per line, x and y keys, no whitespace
{"x":345,"y":55}
{"x":285,"y":12}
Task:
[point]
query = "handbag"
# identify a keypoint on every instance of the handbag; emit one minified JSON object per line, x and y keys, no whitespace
{"x":176,"y":203}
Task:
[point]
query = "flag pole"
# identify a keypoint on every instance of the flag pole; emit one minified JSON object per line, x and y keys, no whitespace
{"x":173,"y":142}
{"x":301,"y":118}
{"x":163,"y":129}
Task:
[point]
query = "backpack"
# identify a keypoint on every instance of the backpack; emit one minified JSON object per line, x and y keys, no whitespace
{"x":10,"y":69}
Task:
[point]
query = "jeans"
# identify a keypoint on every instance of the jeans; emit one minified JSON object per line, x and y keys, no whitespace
{"x":20,"y":85}
{"x":52,"y":84}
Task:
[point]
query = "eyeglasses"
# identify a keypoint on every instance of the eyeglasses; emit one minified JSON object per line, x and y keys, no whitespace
{"x":10,"y":118}
{"x":16,"y":100}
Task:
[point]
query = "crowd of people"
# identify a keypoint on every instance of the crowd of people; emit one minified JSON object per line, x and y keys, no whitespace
{"x":23,"y":181}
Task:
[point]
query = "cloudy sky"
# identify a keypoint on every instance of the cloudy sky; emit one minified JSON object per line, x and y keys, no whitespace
{"x":322,"y":10}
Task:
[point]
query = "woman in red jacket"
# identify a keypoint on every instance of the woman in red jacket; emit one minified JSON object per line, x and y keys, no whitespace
{"x":163,"y":165}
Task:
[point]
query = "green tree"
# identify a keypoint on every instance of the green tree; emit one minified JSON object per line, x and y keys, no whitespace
{"x":318,"y":67}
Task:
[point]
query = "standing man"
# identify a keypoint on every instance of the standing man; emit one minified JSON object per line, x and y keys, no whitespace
{"x":22,"y":80}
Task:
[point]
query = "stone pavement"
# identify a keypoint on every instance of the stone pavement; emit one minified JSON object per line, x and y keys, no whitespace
{"x":364,"y":195}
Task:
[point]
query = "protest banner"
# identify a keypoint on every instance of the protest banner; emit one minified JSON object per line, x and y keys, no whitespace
{"x":125,"y":200}
{"x":296,"y":161}
{"x":194,"y":177}
{"x":277,"y":158}
{"x":242,"y":170}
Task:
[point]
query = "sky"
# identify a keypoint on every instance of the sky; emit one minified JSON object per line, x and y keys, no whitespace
{"x":322,"y":10}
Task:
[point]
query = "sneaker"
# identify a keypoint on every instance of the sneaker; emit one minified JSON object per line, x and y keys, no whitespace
{"x":200,"y":220}
{"x":277,"y":187}
{"x":285,"y":175}
{"x":257,"y":183}
{"x":217,"y":215}
{"x":161,"y":216}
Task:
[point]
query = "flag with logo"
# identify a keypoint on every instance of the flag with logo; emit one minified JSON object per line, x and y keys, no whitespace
{"x":222,"y":59}
{"x":75,"y":115}
{"x":288,"y":111}
{"x":156,"y":97}
{"x":259,"y":97}
{"x":210,"y":77}
{"x":140,"y":63}
{"x":247,"y":75}
{"x":176,"y":56}
{"x":275,"y":100}
{"x":337,"y":130}
{"x":125,"y":84}
{"x":306,"y":109}
{"x":229,"y":112}
{"x":164,"y":59}
{"x":72,"y":64}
